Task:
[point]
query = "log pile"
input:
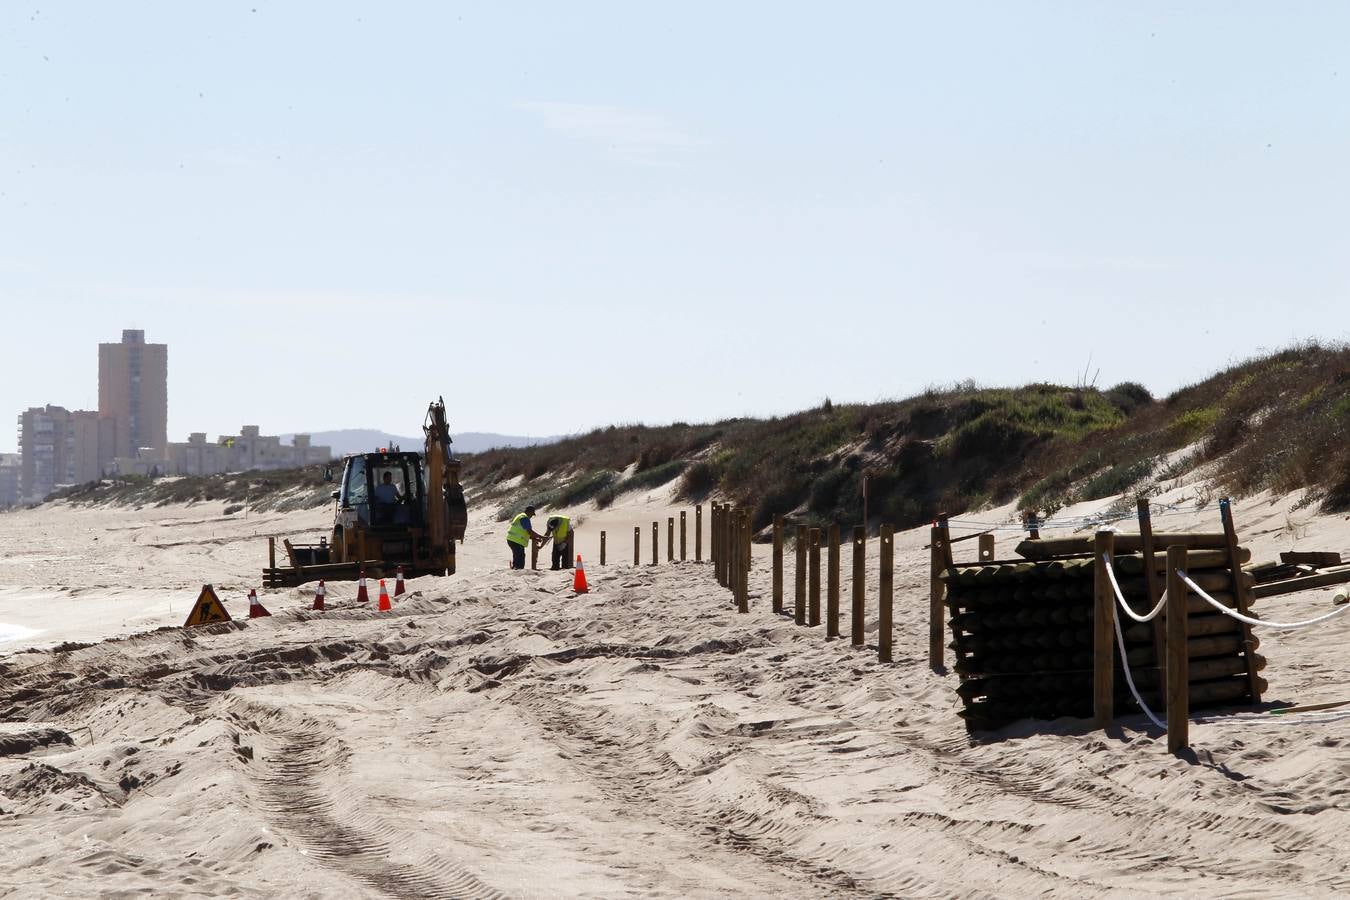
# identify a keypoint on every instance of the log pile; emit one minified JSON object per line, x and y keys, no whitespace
{"x":1022,"y":632}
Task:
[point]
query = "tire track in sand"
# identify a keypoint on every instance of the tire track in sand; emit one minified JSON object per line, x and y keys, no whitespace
{"x":645,"y":780}
{"x":294,"y":794}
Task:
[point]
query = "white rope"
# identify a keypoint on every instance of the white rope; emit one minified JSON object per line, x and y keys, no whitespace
{"x":1273,"y":718}
{"x":1120,"y":598}
{"x":1248,"y":619}
{"x":1129,"y":679}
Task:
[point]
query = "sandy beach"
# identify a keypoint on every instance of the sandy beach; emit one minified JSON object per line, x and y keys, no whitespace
{"x":497,"y":736}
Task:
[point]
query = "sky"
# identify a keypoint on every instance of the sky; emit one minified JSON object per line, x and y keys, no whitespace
{"x":562,"y":215}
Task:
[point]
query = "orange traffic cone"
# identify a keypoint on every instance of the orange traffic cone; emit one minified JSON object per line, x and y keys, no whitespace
{"x":319,"y":593}
{"x":361,"y":595}
{"x":385,"y":605}
{"x":255,"y":609}
{"x":398,"y":582}
{"x":579,"y":579}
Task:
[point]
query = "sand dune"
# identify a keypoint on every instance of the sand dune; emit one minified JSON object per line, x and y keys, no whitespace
{"x":497,"y":736}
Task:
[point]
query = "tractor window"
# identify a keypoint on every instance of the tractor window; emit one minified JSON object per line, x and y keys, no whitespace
{"x":354,"y":489}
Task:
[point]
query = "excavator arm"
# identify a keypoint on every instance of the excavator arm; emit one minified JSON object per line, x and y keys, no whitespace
{"x":447,"y":512}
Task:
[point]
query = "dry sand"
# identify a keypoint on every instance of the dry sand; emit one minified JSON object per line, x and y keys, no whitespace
{"x":496,"y":736}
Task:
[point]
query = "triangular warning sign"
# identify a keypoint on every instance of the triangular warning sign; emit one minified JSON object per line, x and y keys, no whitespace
{"x":207,"y":609}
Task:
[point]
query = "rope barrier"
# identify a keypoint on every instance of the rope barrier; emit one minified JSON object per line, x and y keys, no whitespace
{"x":1129,"y":678}
{"x":1248,"y":619}
{"x":1120,"y":597}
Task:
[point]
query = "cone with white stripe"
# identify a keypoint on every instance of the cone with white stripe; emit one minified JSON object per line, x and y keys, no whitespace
{"x":319,"y":593}
{"x":398,"y":582}
{"x":362,"y":596}
{"x":579,"y":578}
{"x":255,"y":609}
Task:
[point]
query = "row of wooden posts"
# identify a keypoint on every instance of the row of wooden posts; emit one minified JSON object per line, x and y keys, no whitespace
{"x":670,"y":540}
{"x":732,"y":532}
{"x":730,"y":539}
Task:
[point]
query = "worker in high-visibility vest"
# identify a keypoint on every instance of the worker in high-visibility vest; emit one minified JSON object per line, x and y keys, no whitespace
{"x":519,"y":534}
{"x":560,"y":529}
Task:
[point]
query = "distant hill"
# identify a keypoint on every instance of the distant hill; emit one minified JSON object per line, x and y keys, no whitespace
{"x":357,"y":440}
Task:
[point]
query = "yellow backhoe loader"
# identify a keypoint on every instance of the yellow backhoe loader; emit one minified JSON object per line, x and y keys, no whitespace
{"x":392,"y":510}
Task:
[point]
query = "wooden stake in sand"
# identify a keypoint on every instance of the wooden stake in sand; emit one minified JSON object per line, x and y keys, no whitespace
{"x":1244,"y":595}
{"x":813,"y":608}
{"x":938,"y":560}
{"x":799,"y":586}
{"x":832,"y":583}
{"x":1178,"y":654}
{"x":1103,"y":631}
{"x":602,"y":548}
{"x":683,"y":540}
{"x":656,"y":540}
{"x":886,"y":587}
{"x":743,"y":583}
{"x":777,"y":564}
{"x":859,"y":583}
{"x":670,"y":539}
{"x":1151,"y":584}
{"x":698,"y":533}
{"x":637,"y":545}
{"x":712,"y":545}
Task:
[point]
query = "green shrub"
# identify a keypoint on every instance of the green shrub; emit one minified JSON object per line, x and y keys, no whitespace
{"x":1117,"y":479}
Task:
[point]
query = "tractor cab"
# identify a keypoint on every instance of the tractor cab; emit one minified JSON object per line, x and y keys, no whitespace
{"x":381,"y":490}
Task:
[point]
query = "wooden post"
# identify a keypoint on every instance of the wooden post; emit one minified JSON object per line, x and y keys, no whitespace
{"x":1178,"y":661}
{"x":670,"y":539}
{"x":832,"y":584}
{"x":1153,"y":588}
{"x":886,"y":587}
{"x":637,"y":545}
{"x":656,"y":541}
{"x":813,"y":607}
{"x":684,"y":543}
{"x":712,"y":546}
{"x":1103,"y":631}
{"x":602,"y":548}
{"x":728,"y":549}
{"x":1034,"y":522}
{"x":799,"y":579}
{"x":986,"y":548}
{"x":534,"y":554}
{"x":743,"y":581}
{"x":778,"y":564}
{"x":936,"y":596}
{"x":1242,"y":594}
{"x":698,"y":533}
{"x":859,"y":583}
{"x":271,"y":553}
{"x":733,"y":550}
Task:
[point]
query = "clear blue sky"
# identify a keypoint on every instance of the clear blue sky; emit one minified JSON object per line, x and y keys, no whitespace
{"x":562,"y":215}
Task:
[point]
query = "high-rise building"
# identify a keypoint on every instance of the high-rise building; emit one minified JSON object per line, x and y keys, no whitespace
{"x":11,"y":477}
{"x":133,"y":391}
{"x":47,"y":446}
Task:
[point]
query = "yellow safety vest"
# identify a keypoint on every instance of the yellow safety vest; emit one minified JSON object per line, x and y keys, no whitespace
{"x":517,"y":533}
{"x":563,"y":527}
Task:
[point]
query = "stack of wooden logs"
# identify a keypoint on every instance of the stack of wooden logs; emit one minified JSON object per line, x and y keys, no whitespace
{"x":1023,"y":636}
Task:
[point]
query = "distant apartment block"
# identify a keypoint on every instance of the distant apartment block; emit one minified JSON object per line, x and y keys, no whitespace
{"x":11,"y":477}
{"x":47,"y":446}
{"x":247,"y":450}
{"x":133,"y":392}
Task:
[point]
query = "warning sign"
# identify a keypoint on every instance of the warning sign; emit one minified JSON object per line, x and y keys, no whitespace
{"x":207,"y":609}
